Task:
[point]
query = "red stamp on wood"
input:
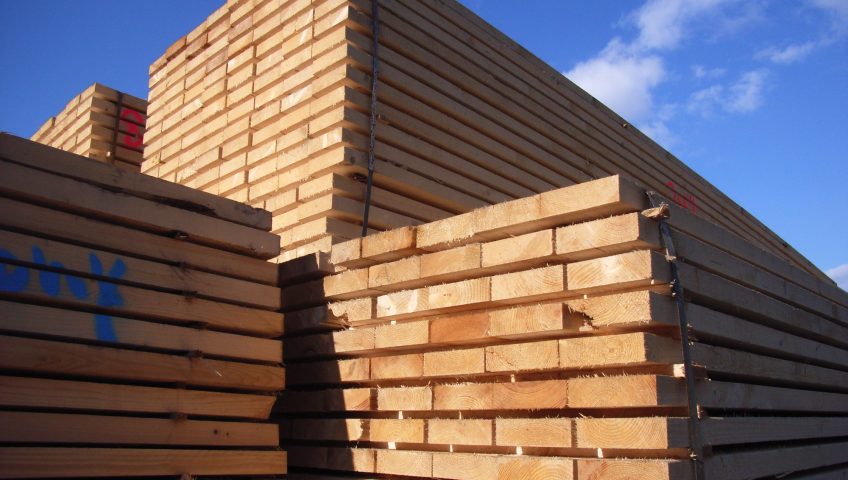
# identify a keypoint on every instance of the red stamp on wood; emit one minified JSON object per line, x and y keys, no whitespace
{"x":686,"y":201}
{"x":133,"y":138}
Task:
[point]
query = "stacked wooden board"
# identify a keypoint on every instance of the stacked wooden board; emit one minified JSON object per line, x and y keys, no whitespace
{"x":538,"y":339}
{"x":140,"y":324}
{"x":99,"y":123}
{"x":268,"y":102}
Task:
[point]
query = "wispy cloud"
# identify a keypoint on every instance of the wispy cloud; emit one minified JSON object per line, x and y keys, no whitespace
{"x":838,"y":9}
{"x":743,"y":96}
{"x":662,"y":23}
{"x":839,"y":274}
{"x":701,"y":72}
{"x":746,"y":95}
{"x":625,"y":74}
{"x":834,"y":30}
{"x":621,"y":79}
{"x":705,"y":101}
{"x":657,"y":128}
{"x":789,"y":54}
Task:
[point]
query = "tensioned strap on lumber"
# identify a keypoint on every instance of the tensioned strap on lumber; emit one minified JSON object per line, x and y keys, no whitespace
{"x":660,"y":212}
{"x":372,"y":140}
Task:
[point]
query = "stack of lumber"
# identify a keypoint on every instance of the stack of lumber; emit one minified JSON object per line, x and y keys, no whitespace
{"x":138,"y":326}
{"x":99,"y":123}
{"x":268,"y":103}
{"x":537,"y":338}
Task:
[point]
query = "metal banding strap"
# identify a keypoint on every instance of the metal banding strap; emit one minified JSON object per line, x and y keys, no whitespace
{"x":114,"y":152}
{"x":697,"y":447}
{"x":372,"y":140}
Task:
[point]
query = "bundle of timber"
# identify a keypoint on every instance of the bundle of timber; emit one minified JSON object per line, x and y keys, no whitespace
{"x":269,"y":102}
{"x":138,"y":324}
{"x":537,"y":338}
{"x":99,"y":123}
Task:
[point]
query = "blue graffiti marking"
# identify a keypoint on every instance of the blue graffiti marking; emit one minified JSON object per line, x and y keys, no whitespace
{"x":12,"y":279}
{"x":16,"y":279}
{"x":108,"y":296}
{"x":49,"y":280}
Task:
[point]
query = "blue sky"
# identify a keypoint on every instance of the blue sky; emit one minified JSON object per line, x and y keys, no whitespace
{"x":750,"y":93}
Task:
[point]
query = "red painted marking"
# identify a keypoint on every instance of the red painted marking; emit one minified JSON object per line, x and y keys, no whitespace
{"x":688,"y":202}
{"x":134,"y":137}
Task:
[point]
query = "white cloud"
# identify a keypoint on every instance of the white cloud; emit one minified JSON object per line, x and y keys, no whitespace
{"x":746,"y":95}
{"x":704,"y":101}
{"x":837,"y":8}
{"x":789,"y":54}
{"x":662,"y":23}
{"x":625,"y":74}
{"x":700,"y":72}
{"x":657,"y":128}
{"x":839,"y":275}
{"x":621,"y":79}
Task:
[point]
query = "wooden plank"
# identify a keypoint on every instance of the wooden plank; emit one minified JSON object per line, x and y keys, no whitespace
{"x":390,"y":245}
{"x":742,"y":430}
{"x":306,"y":267}
{"x":31,"y":462}
{"x":543,"y":355}
{"x":405,"y":398}
{"x":638,"y":268}
{"x":614,"y":350}
{"x":536,"y":284}
{"x":523,"y":248}
{"x":27,"y":427}
{"x":335,"y":372}
{"x":78,"y":260}
{"x":740,"y":396}
{"x":62,"y":394}
{"x":719,"y":293}
{"x":585,"y":201}
{"x":590,"y":469}
{"x":348,"y":254}
{"x":681,"y":220}
{"x":107,"y":298}
{"x":534,"y":432}
{"x":774,"y":461}
{"x":721,"y":329}
{"x":334,"y":458}
{"x":648,"y":433}
{"x":69,"y":324}
{"x":595,"y":238}
{"x":481,"y":466}
{"x":104,"y":235}
{"x":639,"y":307}
{"x":400,"y":462}
{"x":752,"y":367}
{"x":626,"y":391}
{"x":529,"y":395}
{"x":456,"y":261}
{"x":338,"y":429}
{"x":396,"y":430}
{"x":459,"y":432}
{"x":458,"y":294}
{"x":43,"y":356}
{"x":697,"y":253}
{"x":68,"y":194}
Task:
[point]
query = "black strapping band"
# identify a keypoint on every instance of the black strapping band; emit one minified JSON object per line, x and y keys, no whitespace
{"x":372,"y":140}
{"x":697,"y":447}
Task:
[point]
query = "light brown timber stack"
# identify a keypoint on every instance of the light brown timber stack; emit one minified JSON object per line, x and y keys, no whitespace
{"x":139,"y":324}
{"x":87,"y":127}
{"x":537,"y":339}
{"x":267,"y":102}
